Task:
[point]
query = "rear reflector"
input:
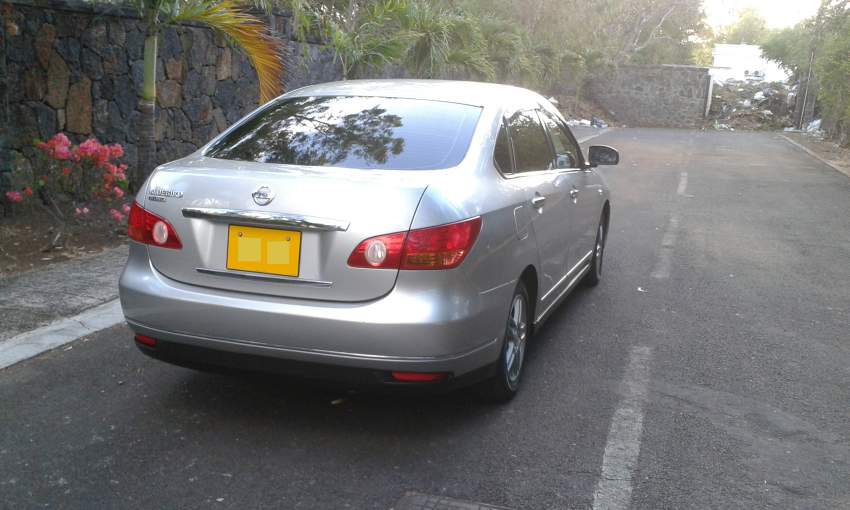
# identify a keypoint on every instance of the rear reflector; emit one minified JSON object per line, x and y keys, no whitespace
{"x":146,"y":340}
{"x":440,"y":247}
{"x":419,"y":376}
{"x":148,"y":228}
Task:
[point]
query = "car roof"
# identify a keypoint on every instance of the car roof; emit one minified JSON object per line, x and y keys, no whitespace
{"x":466,"y":92}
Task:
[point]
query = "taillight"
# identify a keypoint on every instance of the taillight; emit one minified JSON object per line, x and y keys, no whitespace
{"x":441,"y":247}
{"x":381,"y":252}
{"x":148,"y":228}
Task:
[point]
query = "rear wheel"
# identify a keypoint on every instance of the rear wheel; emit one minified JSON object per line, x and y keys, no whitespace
{"x":505,"y":383}
{"x":594,"y":276}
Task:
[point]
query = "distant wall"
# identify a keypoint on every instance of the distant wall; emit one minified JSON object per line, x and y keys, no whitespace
{"x":653,"y":96}
{"x":77,"y":68}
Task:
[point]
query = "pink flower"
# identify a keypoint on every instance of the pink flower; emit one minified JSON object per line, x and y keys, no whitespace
{"x":116,"y":151}
{"x":28,"y":191}
{"x":93,"y":150}
{"x":62,"y":153}
{"x":78,"y":212}
{"x":101,"y":157}
{"x":117,"y":216}
{"x":60,"y":140}
{"x":125,"y":208}
{"x":119,"y":193}
{"x":57,"y":147}
{"x":85,"y":210}
{"x":14,"y":196}
{"x":88,"y":148}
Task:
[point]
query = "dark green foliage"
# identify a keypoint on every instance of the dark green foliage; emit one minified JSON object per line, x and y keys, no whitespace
{"x":833,"y":72}
{"x":828,"y":36}
{"x":790,"y":47}
{"x":535,"y":43}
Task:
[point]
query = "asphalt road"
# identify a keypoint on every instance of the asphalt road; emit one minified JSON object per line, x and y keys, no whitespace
{"x":710,"y":369}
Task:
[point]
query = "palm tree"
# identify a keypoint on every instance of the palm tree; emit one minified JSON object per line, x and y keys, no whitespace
{"x":510,"y":50}
{"x":444,"y":42}
{"x":366,"y":35}
{"x":231,"y":19}
{"x":431,"y":39}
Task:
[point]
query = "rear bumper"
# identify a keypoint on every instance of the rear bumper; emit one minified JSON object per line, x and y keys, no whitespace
{"x":216,"y":360}
{"x":413,"y":329}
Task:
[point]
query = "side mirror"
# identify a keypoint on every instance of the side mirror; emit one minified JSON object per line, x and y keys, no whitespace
{"x":602,"y":155}
{"x":564,"y":161}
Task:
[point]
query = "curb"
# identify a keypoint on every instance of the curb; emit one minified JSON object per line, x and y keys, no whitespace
{"x":63,"y":331}
{"x":817,"y":156}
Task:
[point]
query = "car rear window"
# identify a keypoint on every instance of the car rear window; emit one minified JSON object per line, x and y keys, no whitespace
{"x":353,"y":132}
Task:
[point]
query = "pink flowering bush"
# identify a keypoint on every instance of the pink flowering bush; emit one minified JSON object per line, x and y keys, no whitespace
{"x":14,"y":196}
{"x":75,"y":177}
{"x":82,"y":182}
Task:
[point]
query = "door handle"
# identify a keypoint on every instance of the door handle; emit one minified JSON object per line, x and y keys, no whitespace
{"x":538,"y":201}
{"x":574,"y":194}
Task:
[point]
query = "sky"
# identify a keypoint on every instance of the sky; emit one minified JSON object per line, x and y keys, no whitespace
{"x":778,"y":13}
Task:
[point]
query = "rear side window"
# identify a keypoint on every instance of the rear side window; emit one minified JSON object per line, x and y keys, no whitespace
{"x":353,"y":132}
{"x":502,"y":154}
{"x":531,"y":144}
{"x":566,"y":152}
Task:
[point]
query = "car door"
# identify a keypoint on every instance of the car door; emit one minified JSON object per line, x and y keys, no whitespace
{"x":547,"y":189}
{"x":584,"y":186}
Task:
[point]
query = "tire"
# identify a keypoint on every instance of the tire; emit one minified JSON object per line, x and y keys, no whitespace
{"x":503,"y":386}
{"x":594,"y":276}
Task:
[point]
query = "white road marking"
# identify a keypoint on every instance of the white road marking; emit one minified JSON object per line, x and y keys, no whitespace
{"x":614,"y":489}
{"x":32,"y":343}
{"x":683,"y":184}
{"x":665,"y":255}
{"x":669,"y":238}
{"x":594,"y":135}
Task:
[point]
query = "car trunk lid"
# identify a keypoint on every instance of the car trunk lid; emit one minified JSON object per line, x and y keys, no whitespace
{"x":331,"y":211}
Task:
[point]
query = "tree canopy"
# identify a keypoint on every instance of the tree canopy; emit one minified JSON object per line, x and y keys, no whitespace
{"x":826,"y":39}
{"x":530,"y":42}
{"x":749,"y":28}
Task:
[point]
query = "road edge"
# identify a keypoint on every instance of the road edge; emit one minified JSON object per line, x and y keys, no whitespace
{"x":60,"y":332}
{"x":594,"y":135}
{"x":817,"y":156}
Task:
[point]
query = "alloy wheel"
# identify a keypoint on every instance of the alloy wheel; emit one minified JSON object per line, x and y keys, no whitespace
{"x":515,"y":341}
{"x":600,"y":248}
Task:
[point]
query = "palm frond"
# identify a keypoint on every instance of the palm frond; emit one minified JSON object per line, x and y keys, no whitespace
{"x":248,"y":33}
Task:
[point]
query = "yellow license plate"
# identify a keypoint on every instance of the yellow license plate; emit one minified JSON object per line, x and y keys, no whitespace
{"x":263,"y":250}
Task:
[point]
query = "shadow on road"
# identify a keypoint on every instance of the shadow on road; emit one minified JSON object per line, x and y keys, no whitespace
{"x":240,"y":399}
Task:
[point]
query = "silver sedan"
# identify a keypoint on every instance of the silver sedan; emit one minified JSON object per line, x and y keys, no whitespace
{"x":392,"y":232}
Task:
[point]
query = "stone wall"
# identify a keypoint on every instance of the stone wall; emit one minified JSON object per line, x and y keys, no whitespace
{"x":654,"y":96}
{"x":78,"y":69}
